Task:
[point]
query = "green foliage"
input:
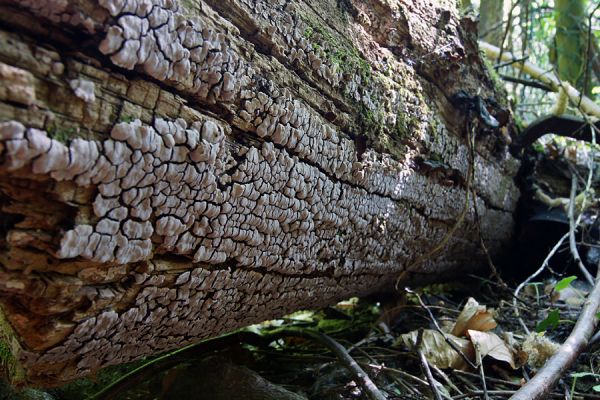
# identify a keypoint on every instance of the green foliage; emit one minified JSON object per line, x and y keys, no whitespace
{"x":550,"y":322}
{"x":564,"y":283}
{"x":61,"y":134}
{"x":126,"y":118}
{"x":579,"y":375}
{"x":342,"y":55}
{"x":552,"y":35}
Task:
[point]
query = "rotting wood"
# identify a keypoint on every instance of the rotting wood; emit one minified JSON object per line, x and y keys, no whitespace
{"x":174,"y":170}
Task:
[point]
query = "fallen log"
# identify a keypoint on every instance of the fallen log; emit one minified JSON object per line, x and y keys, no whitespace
{"x":170,"y":171}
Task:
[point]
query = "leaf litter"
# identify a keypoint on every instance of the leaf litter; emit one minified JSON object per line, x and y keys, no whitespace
{"x":382,"y":335}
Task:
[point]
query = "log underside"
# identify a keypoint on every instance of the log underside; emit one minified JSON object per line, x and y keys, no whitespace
{"x":172,"y":171}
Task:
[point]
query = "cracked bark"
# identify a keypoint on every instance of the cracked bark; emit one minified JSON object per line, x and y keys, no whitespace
{"x":173,"y":170}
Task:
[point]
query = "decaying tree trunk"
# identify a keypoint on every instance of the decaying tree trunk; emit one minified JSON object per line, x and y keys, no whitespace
{"x":173,"y":170}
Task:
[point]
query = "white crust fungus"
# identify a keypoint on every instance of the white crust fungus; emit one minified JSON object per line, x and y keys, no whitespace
{"x":83,"y":89}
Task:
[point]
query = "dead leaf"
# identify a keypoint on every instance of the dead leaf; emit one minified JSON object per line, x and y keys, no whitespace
{"x":569,"y":295}
{"x":473,"y":316}
{"x":437,"y":351}
{"x":514,"y":346}
{"x":488,"y":344}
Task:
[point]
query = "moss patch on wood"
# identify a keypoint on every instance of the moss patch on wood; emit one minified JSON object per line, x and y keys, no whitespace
{"x":9,"y":364}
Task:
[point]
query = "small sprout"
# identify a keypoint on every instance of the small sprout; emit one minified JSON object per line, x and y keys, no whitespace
{"x":564,"y":283}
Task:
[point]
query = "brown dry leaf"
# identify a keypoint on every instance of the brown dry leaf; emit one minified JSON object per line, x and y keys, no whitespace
{"x":473,"y":316}
{"x":569,"y":295}
{"x":437,"y":351}
{"x":514,"y":346}
{"x":489,"y":344}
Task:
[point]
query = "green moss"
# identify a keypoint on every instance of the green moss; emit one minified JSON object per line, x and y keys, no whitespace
{"x":402,"y":128}
{"x":372,"y":120}
{"x":309,"y":32}
{"x":126,"y":118}
{"x":9,"y":364}
{"x":345,"y":57}
{"x":61,"y":134}
{"x":497,"y":82}
{"x":7,"y":359}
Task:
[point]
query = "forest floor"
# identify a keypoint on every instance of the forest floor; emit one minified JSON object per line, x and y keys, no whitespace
{"x":502,"y":339}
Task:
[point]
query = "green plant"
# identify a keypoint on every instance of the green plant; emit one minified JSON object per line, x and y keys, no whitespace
{"x":564,"y":283}
{"x":578,"y":375}
{"x":550,"y":322}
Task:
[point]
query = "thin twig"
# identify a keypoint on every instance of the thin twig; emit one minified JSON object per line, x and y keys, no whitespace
{"x":425,"y":365}
{"x":508,"y":26}
{"x":559,"y":363}
{"x":405,"y":375}
{"x":527,"y":82}
{"x":440,"y":331}
{"x":573,"y":228}
{"x":531,"y":277}
{"x":482,"y":375}
{"x":510,"y":62}
{"x":446,"y":379}
{"x":371,"y":390}
{"x":466,"y":382}
{"x":488,"y":379}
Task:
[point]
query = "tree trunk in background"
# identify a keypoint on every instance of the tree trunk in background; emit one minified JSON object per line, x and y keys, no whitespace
{"x":465,"y":5}
{"x":571,"y":42}
{"x":491,"y":14}
{"x":174,"y":170}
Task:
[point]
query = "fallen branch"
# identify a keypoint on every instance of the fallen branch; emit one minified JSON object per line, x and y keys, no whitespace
{"x":563,"y":125}
{"x":370,"y":389}
{"x":586,"y":104}
{"x":543,"y":382}
{"x":504,"y":393}
{"x":199,"y":350}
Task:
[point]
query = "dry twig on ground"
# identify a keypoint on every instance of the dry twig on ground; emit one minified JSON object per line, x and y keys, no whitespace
{"x":543,"y":382}
{"x":425,"y":366}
